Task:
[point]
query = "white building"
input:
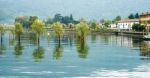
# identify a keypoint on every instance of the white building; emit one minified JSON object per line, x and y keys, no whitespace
{"x":127,"y":24}
{"x":113,"y":26}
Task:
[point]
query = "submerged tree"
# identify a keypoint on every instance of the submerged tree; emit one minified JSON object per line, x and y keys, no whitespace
{"x":38,"y":28}
{"x":82,"y":30}
{"x":58,"y":30}
{"x":12,"y":31}
{"x":18,"y":30}
{"x":2,"y":30}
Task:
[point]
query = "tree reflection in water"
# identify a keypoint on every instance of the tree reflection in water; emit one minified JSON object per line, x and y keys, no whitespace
{"x":145,"y":49}
{"x":82,"y":47}
{"x":93,"y":38}
{"x":38,"y":54}
{"x":2,"y":48}
{"x":58,"y":52}
{"x":18,"y":49}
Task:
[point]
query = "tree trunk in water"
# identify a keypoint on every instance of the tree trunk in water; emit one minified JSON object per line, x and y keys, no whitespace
{"x":59,"y":42}
{"x":38,"y":40}
{"x":1,"y":37}
{"x":19,"y":39}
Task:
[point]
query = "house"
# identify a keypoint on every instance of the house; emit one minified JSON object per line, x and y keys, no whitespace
{"x":127,"y":24}
{"x":113,"y":26}
{"x":144,"y":18}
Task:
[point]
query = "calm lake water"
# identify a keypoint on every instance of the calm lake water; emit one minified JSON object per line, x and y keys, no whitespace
{"x":103,"y":56}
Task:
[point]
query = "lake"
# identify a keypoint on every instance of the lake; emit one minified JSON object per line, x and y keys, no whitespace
{"x":103,"y":56}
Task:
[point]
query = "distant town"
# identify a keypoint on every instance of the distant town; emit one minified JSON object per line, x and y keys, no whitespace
{"x":135,"y":22}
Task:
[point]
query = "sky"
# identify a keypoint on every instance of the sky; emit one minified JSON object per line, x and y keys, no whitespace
{"x":88,"y":9}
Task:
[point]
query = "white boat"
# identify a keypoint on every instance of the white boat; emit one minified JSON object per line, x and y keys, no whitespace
{"x":147,"y":37}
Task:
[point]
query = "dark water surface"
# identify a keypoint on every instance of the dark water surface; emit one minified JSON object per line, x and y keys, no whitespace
{"x":103,"y":56}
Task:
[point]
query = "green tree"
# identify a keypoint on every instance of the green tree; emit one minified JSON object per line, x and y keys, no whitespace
{"x":58,"y":30}
{"x":148,"y":21}
{"x":49,"y":21}
{"x":107,"y":23}
{"x":18,"y":30}
{"x":118,"y":18}
{"x":12,"y":31}
{"x":138,"y":27}
{"x":137,"y":16}
{"x":2,"y":30}
{"x":82,"y":29}
{"x":131,"y":16}
{"x":57,"y":18}
{"x":31,"y":20}
{"x":38,"y":28}
{"x":23,"y":20}
{"x":93,"y":25}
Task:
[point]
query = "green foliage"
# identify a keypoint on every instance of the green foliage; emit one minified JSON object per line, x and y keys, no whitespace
{"x":57,"y":18}
{"x":131,"y":16}
{"x":82,"y":29}
{"x":134,"y":16}
{"x":148,"y":21}
{"x":93,"y":25}
{"x":32,"y":19}
{"x":58,"y":29}
{"x":18,"y":29}
{"x":18,"y":50}
{"x":64,"y":19}
{"x":38,"y":27}
{"x":23,"y":20}
{"x":106,"y":30}
{"x":137,"y":16}
{"x":38,"y":54}
{"x":12,"y":30}
{"x":118,"y":18}
{"x":107,"y":23}
{"x":49,"y":21}
{"x":58,"y":52}
{"x":2,"y":30}
{"x":82,"y":48}
{"x":138,"y":27}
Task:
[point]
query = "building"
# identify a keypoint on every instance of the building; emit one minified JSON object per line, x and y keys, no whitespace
{"x":144,"y":18}
{"x":127,"y":24}
{"x":113,"y":26}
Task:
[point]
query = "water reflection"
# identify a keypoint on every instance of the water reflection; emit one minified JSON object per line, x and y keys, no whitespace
{"x":2,"y":48}
{"x":18,"y":50}
{"x":58,"y":52}
{"x":82,"y":48}
{"x":33,"y":38}
{"x":38,"y":54}
{"x":145,"y":49}
{"x":93,"y":38}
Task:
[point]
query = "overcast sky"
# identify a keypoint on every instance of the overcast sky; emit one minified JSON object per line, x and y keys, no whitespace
{"x":89,"y":9}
